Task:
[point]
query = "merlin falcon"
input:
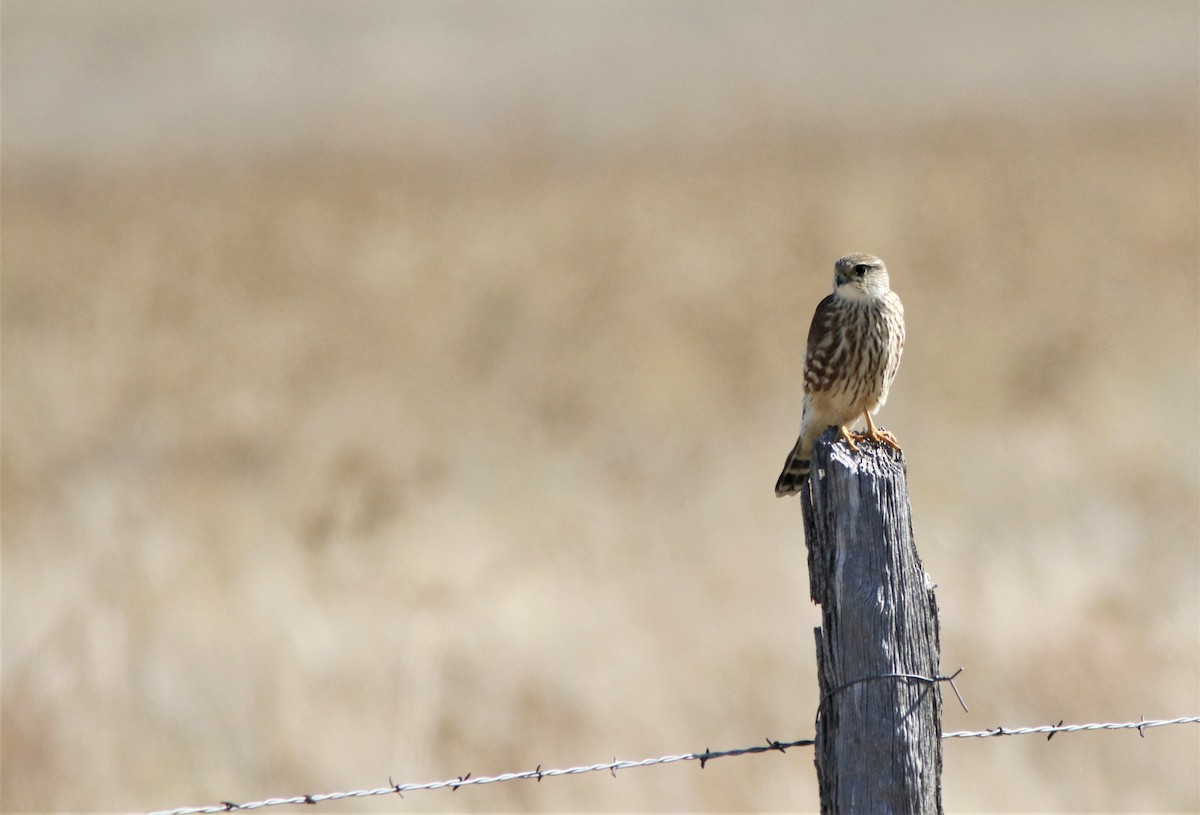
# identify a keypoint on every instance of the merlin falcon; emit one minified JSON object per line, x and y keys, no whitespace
{"x":854,"y":348}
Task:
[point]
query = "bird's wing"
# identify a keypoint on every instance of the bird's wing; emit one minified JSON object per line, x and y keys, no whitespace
{"x":822,"y":335}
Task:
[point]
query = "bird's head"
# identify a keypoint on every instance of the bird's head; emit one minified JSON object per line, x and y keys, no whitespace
{"x":860,"y":275}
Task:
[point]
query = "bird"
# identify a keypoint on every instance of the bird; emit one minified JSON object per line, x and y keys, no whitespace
{"x":853,"y":353}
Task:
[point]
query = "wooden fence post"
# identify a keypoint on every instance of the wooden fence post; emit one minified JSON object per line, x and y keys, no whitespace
{"x":878,"y":735}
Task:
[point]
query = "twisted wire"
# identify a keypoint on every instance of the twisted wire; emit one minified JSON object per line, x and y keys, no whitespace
{"x":612,"y":766}
{"x":1051,"y":729}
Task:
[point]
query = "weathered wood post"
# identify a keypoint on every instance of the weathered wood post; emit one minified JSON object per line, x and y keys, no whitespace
{"x":878,"y":735}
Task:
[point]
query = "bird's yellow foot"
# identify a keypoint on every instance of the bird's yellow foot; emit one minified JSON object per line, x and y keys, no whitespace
{"x":883,"y":436}
{"x":844,"y":433}
{"x":880,"y":436}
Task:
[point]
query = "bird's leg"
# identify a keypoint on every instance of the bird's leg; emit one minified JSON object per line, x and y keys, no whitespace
{"x":844,"y":433}
{"x":877,"y":435}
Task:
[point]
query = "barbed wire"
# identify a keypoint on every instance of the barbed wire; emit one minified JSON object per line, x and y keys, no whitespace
{"x":612,"y":766}
{"x":466,"y":780}
{"x":1050,"y":729}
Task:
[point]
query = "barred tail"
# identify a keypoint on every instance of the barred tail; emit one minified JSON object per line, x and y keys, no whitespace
{"x":795,"y":473}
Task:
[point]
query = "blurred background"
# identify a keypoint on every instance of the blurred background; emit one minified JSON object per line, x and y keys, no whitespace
{"x":398,"y":389}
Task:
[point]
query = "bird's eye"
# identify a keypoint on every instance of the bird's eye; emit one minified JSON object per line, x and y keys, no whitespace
{"x":861,"y":269}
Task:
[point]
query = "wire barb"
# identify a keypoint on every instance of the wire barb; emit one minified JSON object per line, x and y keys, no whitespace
{"x":950,"y":681}
{"x":1060,"y":721}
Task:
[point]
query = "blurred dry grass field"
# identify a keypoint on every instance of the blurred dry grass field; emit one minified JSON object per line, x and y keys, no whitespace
{"x":334,"y":467}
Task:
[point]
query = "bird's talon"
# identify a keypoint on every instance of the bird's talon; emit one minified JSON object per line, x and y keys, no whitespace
{"x":884,"y":437}
{"x":849,"y":437}
{"x":879,"y":435}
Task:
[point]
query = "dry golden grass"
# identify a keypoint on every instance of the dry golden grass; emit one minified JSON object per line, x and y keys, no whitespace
{"x":327,"y":469}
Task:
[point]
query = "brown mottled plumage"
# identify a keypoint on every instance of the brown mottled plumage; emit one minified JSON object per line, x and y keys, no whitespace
{"x":854,"y":348}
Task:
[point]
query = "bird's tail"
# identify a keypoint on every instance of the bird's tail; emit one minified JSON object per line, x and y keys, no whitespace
{"x":795,"y":473}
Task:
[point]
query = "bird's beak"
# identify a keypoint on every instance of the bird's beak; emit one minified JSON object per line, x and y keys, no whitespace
{"x":840,"y":278}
